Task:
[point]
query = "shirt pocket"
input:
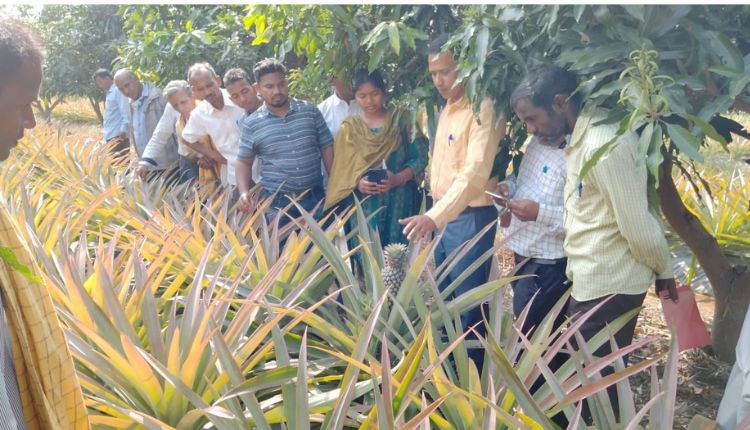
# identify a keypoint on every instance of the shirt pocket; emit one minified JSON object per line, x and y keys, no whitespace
{"x":553,"y":184}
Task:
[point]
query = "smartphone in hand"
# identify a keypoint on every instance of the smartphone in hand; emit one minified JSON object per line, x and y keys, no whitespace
{"x":377,"y":175}
{"x":502,"y":199}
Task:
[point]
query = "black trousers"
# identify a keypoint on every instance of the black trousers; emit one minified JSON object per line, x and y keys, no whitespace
{"x":548,"y":284}
{"x":616,"y":306}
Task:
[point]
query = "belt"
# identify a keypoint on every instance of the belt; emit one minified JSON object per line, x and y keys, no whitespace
{"x":470,"y":209}
{"x":547,"y":261}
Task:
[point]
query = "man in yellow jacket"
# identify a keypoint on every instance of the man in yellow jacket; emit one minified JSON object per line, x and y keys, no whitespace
{"x":39,"y":388}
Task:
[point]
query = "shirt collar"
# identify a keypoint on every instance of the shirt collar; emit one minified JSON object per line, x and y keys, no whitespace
{"x":144,"y":93}
{"x":461,"y":103}
{"x":227,"y":102}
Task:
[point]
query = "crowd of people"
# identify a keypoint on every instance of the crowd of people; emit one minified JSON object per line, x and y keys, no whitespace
{"x":595,"y":235}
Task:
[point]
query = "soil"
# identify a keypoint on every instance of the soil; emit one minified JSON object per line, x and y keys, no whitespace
{"x":701,"y":376}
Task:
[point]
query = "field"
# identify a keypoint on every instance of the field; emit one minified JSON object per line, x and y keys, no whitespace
{"x":96,"y":229}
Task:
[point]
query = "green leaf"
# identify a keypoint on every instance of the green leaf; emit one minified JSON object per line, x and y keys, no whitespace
{"x":394,"y":37}
{"x":685,"y":141}
{"x":728,"y":53}
{"x":655,"y":157}
{"x":707,"y":128}
{"x":738,"y":85}
{"x":480,"y":53}
{"x":634,"y":10}
{"x":7,"y":255}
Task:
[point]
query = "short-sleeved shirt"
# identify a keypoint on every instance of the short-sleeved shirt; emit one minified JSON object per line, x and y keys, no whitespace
{"x":222,"y":126}
{"x":288,"y":148}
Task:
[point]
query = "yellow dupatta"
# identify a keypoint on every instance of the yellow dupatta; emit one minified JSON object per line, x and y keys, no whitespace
{"x":356,"y":149}
{"x":50,"y":393}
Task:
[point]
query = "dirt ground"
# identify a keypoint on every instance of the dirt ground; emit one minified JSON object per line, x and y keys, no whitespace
{"x":701,"y":377}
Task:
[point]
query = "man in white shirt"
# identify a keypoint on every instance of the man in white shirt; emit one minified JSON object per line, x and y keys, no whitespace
{"x":338,"y":106}
{"x":217,"y":117}
{"x":533,"y":221}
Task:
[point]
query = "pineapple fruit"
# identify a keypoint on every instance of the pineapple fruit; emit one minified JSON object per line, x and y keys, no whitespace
{"x":394,"y":270}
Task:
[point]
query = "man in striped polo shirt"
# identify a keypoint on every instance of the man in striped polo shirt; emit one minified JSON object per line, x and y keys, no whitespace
{"x":291,"y":138}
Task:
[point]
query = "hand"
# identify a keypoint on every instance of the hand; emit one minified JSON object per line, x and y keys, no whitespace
{"x":246,"y":202}
{"x":670,"y":286}
{"x":390,"y":182}
{"x":525,"y":210}
{"x":205,"y":162}
{"x":218,"y":158}
{"x":194,"y":157}
{"x":142,"y":171}
{"x":418,"y":227}
{"x":502,"y":189}
{"x":366,"y":187}
{"x":122,"y":136}
{"x":505,"y":219}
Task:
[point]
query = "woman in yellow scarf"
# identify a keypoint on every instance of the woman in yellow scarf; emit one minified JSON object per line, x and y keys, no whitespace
{"x":377,"y":138}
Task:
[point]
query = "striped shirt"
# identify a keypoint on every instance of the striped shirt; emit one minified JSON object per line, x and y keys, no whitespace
{"x":540,"y":178}
{"x":288,"y":148}
{"x":614,"y":240}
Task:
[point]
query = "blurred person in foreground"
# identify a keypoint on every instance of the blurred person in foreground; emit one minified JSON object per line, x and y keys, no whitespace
{"x":39,"y":388}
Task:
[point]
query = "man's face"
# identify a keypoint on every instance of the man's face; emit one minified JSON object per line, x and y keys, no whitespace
{"x":243,"y":95}
{"x":273,"y":89}
{"x":16,"y":95}
{"x":103,"y":83}
{"x":131,"y":87}
{"x":444,"y":72}
{"x":549,"y":126}
{"x":182,"y":103}
{"x":343,"y":90}
{"x":208,"y":88}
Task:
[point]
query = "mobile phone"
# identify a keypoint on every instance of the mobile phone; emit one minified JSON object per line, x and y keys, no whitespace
{"x":497,"y":196}
{"x":376,"y":175}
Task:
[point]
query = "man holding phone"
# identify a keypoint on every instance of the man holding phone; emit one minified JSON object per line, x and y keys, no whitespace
{"x":531,"y":210}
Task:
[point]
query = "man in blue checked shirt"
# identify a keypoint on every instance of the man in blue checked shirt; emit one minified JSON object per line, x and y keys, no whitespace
{"x":290,"y":137}
{"x":116,"y":107}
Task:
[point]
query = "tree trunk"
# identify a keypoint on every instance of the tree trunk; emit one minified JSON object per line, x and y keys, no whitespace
{"x":731,"y":284}
{"x":97,"y":109}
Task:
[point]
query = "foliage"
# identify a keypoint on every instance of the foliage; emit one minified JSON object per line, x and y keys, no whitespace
{"x":182,"y":315}
{"x":78,"y":39}
{"x":164,"y":40}
{"x":721,"y":204}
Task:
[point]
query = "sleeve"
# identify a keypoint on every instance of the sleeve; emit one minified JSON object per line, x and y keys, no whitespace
{"x":552,"y":216}
{"x":622,"y":179}
{"x":247,"y":140}
{"x":194,"y":131}
{"x":160,"y":140}
{"x":483,"y":143}
{"x":418,"y":153}
{"x":123,"y":106}
{"x":510,"y":181}
{"x":325,"y":138}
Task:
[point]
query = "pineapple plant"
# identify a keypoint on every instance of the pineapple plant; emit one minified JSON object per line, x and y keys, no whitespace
{"x":394,"y":271}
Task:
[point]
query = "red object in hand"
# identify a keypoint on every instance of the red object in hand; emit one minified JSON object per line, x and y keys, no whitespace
{"x":684,"y":319}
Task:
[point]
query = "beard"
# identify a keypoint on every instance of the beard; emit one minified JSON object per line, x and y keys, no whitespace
{"x":278,"y":101}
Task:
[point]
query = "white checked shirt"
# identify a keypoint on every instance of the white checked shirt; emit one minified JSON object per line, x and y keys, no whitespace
{"x":541,"y":178}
